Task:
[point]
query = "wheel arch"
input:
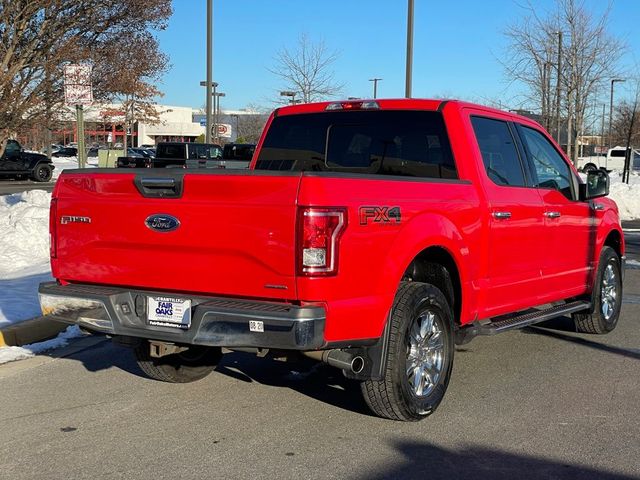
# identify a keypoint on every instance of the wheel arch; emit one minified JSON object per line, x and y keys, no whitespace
{"x":614,"y":240}
{"x":447,"y":278}
{"x":433,"y":238}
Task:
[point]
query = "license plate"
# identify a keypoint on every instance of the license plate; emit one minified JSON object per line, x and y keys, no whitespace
{"x":169,"y":312}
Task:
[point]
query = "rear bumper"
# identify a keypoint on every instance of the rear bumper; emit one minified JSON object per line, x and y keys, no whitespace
{"x":220,"y":322}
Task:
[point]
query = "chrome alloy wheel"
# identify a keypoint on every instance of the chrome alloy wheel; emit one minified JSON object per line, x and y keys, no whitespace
{"x":425,"y":353}
{"x":608,"y":292}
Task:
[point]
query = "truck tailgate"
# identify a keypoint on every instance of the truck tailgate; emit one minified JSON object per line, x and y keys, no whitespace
{"x":236,"y":232}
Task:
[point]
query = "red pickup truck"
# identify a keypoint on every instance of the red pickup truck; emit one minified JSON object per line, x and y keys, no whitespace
{"x":371,"y":235}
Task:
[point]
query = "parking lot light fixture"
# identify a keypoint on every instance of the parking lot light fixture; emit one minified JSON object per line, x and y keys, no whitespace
{"x":291,"y":94}
{"x":375,"y":86}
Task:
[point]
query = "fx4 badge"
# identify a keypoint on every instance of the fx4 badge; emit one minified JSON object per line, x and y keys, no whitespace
{"x":375,"y":214}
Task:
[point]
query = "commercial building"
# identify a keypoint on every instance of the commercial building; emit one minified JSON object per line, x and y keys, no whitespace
{"x":105,"y":124}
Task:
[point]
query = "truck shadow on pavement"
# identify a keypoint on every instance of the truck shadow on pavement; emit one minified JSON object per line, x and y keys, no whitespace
{"x":417,"y":460}
{"x":554,"y":329}
{"x":307,"y":377}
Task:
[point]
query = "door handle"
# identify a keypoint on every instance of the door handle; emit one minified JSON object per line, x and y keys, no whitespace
{"x":502,"y":215}
{"x":552,"y":214}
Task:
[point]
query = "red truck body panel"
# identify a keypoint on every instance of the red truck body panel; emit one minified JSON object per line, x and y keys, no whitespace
{"x":238,"y":234}
{"x":236,"y":237}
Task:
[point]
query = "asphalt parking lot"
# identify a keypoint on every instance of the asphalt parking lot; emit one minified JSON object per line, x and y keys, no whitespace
{"x":543,"y":402}
{"x":7,"y":187}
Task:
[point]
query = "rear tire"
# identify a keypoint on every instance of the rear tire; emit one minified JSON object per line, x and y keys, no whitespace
{"x":189,"y":366}
{"x":42,"y":173}
{"x":589,"y":167}
{"x":419,"y":357}
{"x":607,"y":296}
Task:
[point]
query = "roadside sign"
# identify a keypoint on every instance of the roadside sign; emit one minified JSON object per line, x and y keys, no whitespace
{"x":77,"y":85}
{"x":224,"y":130}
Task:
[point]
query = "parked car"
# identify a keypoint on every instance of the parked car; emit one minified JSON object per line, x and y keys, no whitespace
{"x":66,"y":152}
{"x":177,"y":154}
{"x":142,"y":151}
{"x":16,"y":163}
{"x":369,"y":235}
{"x":614,"y":160}
{"x":238,"y":155}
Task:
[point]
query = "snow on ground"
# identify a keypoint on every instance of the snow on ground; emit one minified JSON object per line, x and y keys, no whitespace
{"x":10,"y":354}
{"x":64,"y":163}
{"x":24,"y":253}
{"x":626,"y":196}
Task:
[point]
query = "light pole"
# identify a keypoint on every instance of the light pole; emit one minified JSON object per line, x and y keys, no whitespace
{"x":613,"y":81}
{"x":209,"y":67}
{"x":211,"y":105}
{"x":558,"y":86}
{"x":375,"y":86}
{"x":291,"y":94}
{"x":235,"y":115}
{"x":407,"y":90}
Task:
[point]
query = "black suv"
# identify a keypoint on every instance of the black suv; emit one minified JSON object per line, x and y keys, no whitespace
{"x":16,"y":163}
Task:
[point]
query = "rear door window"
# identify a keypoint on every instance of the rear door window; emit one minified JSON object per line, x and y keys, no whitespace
{"x":403,"y":143}
{"x":499,"y":152}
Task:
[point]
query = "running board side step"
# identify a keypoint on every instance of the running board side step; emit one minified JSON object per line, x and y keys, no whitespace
{"x":502,"y":324}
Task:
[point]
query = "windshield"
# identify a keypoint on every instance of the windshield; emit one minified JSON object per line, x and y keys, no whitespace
{"x":408,"y":143}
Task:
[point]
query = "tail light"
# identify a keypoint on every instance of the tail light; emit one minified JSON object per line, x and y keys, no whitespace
{"x":53,"y":229}
{"x":319,"y":231}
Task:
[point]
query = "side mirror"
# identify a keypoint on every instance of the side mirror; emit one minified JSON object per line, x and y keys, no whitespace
{"x":597,"y":185}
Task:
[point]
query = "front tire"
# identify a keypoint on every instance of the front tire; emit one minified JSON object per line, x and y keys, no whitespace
{"x":189,"y":366}
{"x":42,"y":173}
{"x":607,"y":296}
{"x":419,"y":356}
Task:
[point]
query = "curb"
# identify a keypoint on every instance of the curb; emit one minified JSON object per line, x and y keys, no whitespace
{"x":30,"y":331}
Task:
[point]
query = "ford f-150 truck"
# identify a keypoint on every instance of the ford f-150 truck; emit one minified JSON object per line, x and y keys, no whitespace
{"x":370,"y":235}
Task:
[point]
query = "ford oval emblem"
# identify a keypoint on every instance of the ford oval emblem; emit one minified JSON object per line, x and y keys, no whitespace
{"x":162,"y":223}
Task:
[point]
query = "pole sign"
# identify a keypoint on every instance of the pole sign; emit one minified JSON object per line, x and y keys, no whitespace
{"x":224,"y":130}
{"x":77,"y":85}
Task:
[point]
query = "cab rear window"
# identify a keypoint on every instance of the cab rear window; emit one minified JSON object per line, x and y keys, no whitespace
{"x":404,"y":143}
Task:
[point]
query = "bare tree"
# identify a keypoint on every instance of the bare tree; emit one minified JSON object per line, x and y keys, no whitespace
{"x":306,"y":70}
{"x":626,"y":128}
{"x":38,"y":37}
{"x":589,"y":57}
{"x":250,"y":125}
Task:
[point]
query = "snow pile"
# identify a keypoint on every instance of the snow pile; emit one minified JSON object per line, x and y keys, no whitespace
{"x":24,"y":253}
{"x":65,"y":163}
{"x":10,"y":354}
{"x":626,"y":196}
{"x":24,"y":223}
